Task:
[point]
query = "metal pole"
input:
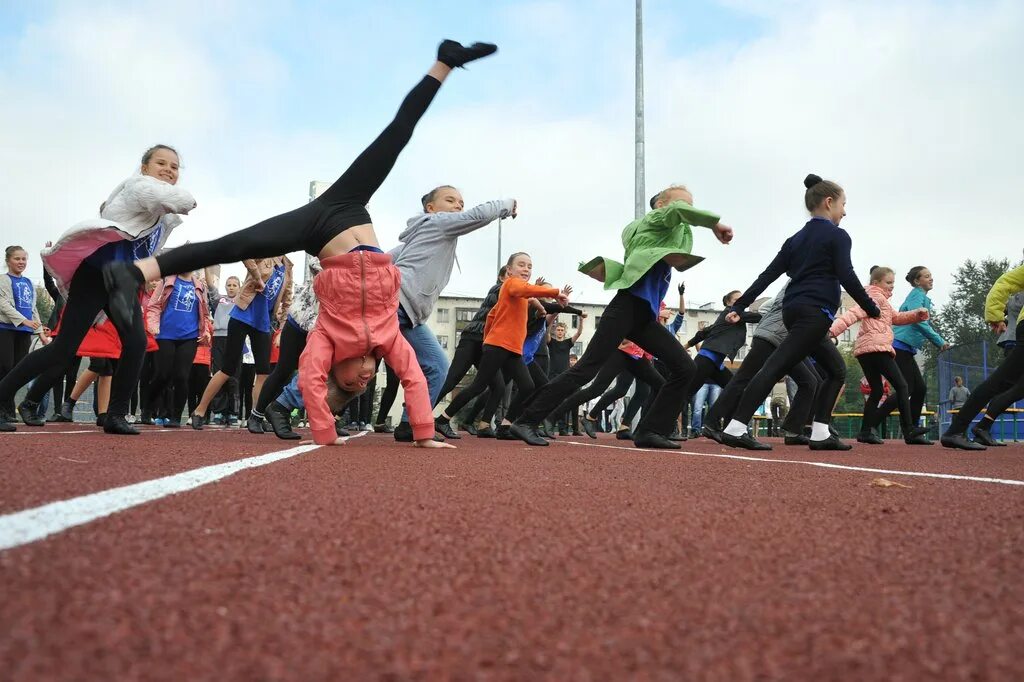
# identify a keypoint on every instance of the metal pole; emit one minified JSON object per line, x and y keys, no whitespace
{"x":639,"y":169}
{"x":499,"y":246}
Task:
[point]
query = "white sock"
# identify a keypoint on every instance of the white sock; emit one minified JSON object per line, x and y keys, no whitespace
{"x":819,"y":431}
{"x":736,"y":428}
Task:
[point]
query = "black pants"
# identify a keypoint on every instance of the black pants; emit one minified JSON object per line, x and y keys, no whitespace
{"x":87,"y":296}
{"x":171,"y":367}
{"x":802,"y":374}
{"x":915,"y":385}
{"x":226,"y":400}
{"x":493,"y":360}
{"x":641,"y":399}
{"x":62,"y":387}
{"x":388,"y":395}
{"x":707,"y":372}
{"x":259,"y":344}
{"x":14,"y":347}
{"x":807,"y":327}
{"x":198,"y":378}
{"x":484,"y":407}
{"x":625,"y":317}
{"x":312,"y":226}
{"x":246,"y":380}
{"x":293,"y":342}
{"x":1000,"y":390}
{"x":618,"y":365}
{"x":467,"y":354}
{"x":876,"y":366}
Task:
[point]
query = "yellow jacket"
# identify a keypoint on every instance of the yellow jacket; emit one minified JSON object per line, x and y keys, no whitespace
{"x":1007,"y":285}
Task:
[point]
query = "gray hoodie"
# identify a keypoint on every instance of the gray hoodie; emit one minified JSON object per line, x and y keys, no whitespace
{"x":1013,"y":307}
{"x":427,"y":253}
{"x":772,"y":329}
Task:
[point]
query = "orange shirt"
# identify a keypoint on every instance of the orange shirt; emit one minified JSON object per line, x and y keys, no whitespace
{"x":506,"y":323}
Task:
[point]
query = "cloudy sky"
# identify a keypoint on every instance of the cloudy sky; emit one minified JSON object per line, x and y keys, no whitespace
{"x":913,"y":106}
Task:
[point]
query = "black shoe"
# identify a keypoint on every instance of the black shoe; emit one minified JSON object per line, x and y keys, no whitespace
{"x":588,"y":426}
{"x":526,"y":433}
{"x":196,"y":421}
{"x":123,"y":293}
{"x":444,"y":427}
{"x":959,"y":441}
{"x":915,"y":432}
{"x":172,"y":424}
{"x":469,"y":428}
{"x":869,"y":437}
{"x":917,"y":440}
{"x":7,"y":424}
{"x":101,"y":419}
{"x":830,"y":443}
{"x":280,"y":422}
{"x":678,"y":436}
{"x":793,"y":439}
{"x":746,"y":441}
{"x":254,"y":424}
{"x":28,"y":411}
{"x":545,"y":432}
{"x":118,"y":425}
{"x":453,"y":54}
{"x":486,"y":432}
{"x":147,"y":419}
{"x":340,"y":431}
{"x":984,"y":436}
{"x":577,"y":432}
{"x":649,"y":439}
{"x":623,"y":434}
{"x":377,"y":428}
{"x":563,"y":431}
{"x":403,"y":432}
{"x":712,"y":433}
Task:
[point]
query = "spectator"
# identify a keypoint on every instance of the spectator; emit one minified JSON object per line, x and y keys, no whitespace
{"x":959,"y":394}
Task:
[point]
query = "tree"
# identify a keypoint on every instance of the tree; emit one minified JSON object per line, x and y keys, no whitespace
{"x":962,"y":320}
{"x":44,"y":304}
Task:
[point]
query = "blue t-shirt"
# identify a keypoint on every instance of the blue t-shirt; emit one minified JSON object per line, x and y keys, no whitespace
{"x":24,"y":302}
{"x":905,"y":347}
{"x":127,"y":250}
{"x":653,"y":286}
{"x":717,"y":358}
{"x":257,"y":315}
{"x":532,"y":344}
{"x":180,"y":319}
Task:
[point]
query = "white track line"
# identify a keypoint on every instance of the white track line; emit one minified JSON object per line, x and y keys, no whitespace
{"x":824,"y":465}
{"x":30,"y":525}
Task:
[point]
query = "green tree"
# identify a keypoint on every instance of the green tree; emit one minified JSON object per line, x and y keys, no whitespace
{"x":962,"y":320}
{"x":43,"y":303}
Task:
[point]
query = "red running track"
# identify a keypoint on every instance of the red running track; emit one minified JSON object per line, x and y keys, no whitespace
{"x":499,"y":561}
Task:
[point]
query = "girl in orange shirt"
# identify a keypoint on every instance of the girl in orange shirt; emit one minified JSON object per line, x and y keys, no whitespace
{"x":504,"y":334}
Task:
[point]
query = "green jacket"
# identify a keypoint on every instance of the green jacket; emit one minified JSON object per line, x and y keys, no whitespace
{"x":662,"y":232}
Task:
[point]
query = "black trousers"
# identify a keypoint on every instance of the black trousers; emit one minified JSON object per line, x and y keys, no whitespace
{"x":172,"y":366}
{"x":641,"y":399}
{"x":312,"y":226}
{"x":493,"y":360}
{"x":1001,"y":389}
{"x":87,"y":297}
{"x":625,"y":317}
{"x":62,"y":387}
{"x":803,"y":374}
{"x":259,"y":344}
{"x":293,"y":342}
{"x":388,"y":395}
{"x":707,"y":372}
{"x":468,"y":354}
{"x":14,"y":347}
{"x":226,"y":400}
{"x":808,"y":327}
{"x":915,"y":385}
{"x":198,"y":378}
{"x":619,"y":368}
{"x":876,"y":366}
{"x":246,"y":380}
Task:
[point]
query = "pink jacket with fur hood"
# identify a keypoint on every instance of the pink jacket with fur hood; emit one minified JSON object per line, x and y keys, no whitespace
{"x":875,"y":335}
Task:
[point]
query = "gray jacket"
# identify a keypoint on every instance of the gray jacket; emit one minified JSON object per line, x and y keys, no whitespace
{"x":427,"y":253}
{"x":8,"y":310}
{"x":1013,"y":307}
{"x":771,"y":328}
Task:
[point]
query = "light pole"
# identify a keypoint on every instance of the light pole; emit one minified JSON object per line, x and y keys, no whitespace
{"x":639,"y":134}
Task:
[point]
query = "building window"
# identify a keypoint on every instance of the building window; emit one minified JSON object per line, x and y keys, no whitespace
{"x":443,"y":340}
{"x":577,"y":349}
{"x":458,"y":338}
{"x":442,"y":314}
{"x":575,"y":322}
{"x":463,"y":316}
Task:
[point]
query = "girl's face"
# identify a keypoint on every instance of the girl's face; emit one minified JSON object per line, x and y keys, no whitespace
{"x":835,"y":209}
{"x":162,"y":165}
{"x":521,"y":267}
{"x":231,"y":287}
{"x":887,"y":284}
{"x":17,"y":262}
{"x":924,"y":280}
{"x":354,"y":374}
{"x":447,"y":200}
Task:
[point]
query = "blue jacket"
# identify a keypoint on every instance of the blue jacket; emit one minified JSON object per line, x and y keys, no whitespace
{"x":914,"y":335}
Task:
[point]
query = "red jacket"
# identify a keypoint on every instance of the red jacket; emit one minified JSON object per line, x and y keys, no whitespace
{"x":358,"y":294}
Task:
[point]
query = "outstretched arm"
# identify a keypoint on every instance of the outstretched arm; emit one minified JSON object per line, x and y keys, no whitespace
{"x":464,"y":222}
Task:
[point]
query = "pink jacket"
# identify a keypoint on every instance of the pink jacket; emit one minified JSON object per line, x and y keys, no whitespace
{"x":358,"y":294}
{"x":158,"y":301}
{"x":875,"y":335}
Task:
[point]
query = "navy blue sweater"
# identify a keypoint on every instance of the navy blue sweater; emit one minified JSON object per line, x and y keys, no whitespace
{"x":817,"y":259}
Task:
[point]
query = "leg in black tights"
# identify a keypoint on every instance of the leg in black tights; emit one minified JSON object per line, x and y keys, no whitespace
{"x":293,"y":342}
{"x":494,"y":360}
{"x":915,"y":383}
{"x":197,"y":381}
{"x":707,"y":372}
{"x":1000,"y":390}
{"x":172,"y":367}
{"x":609,"y":372}
{"x":876,"y":366}
{"x":13,"y":349}
{"x":467,"y":354}
{"x":387,"y":397}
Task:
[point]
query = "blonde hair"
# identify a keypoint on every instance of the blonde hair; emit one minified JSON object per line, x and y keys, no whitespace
{"x":661,"y":195}
{"x":879,"y":272}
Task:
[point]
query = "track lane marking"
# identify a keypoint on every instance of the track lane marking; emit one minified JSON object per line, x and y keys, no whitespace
{"x":824,"y":465}
{"x":30,"y":525}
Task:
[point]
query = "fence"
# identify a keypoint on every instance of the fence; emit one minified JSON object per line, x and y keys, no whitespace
{"x":974,"y":362}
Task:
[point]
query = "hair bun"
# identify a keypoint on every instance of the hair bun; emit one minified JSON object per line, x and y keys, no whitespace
{"x":811,"y":180}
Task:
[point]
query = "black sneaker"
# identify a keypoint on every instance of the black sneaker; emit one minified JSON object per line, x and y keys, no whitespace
{"x":915,"y":432}
{"x":589,"y":425}
{"x":280,"y":421}
{"x":7,"y":425}
{"x":29,"y":413}
{"x":453,"y":54}
{"x":984,"y":436}
{"x":254,"y":424}
{"x":678,"y":436}
{"x":172,"y":424}
{"x":524,"y":432}
{"x":469,"y":428}
{"x":830,"y":443}
{"x":795,"y":438}
{"x":196,"y":421}
{"x":486,"y":432}
{"x":123,"y":293}
{"x":712,"y":433}
{"x":563,"y":431}
{"x":403,"y":432}
{"x":959,"y":441}
{"x":101,"y":419}
{"x":444,"y":427}
{"x":147,"y":419}
{"x":340,"y":431}
{"x":377,"y":428}
{"x":623,"y":434}
{"x":577,"y":432}
{"x":917,"y":440}
{"x":746,"y":441}
{"x":649,"y":439}
{"x":117,"y":424}
{"x":869,"y":437}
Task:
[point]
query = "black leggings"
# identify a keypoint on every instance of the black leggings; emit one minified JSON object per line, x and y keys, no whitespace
{"x":802,"y":373}
{"x":226,"y":400}
{"x":707,"y":373}
{"x":915,"y":385}
{"x":1001,"y":389}
{"x":246,"y":380}
{"x":387,"y":396}
{"x":259,"y":344}
{"x":639,"y":369}
{"x":875,"y":366}
{"x":620,"y":368}
{"x":312,"y":226}
{"x":198,"y":378}
{"x":172,"y":365}
{"x":62,"y":387}
{"x":496,"y":359}
{"x":87,"y":296}
{"x":467,"y":354}
{"x":14,"y":347}
{"x":641,"y":399}
{"x":293,"y":342}
{"x":808,"y":327}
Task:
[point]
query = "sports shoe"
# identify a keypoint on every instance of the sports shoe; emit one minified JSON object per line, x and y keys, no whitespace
{"x":172,"y":424}
{"x":486,"y":432}
{"x":196,"y":421}
{"x":623,"y":434}
{"x":280,"y":422}
{"x":340,"y":430}
{"x":589,"y":425}
{"x":444,"y":427}
{"x":712,"y":433}
{"x":468,"y":428}
{"x":453,"y":54}
{"x":524,"y":432}
{"x":679,"y":436}
{"x":649,"y":439}
{"x":6,"y":425}
{"x":917,"y":440}
{"x":959,"y":441}
{"x":795,"y":438}
{"x":984,"y":436}
{"x":116,"y":424}
{"x":830,"y":443}
{"x":746,"y":442}
{"x":29,"y":413}
{"x":254,"y":423}
{"x":378,"y":428}
{"x":869,"y":437}
{"x":403,"y":432}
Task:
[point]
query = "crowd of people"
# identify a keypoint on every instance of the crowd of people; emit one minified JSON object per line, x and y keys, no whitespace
{"x":160,"y":335}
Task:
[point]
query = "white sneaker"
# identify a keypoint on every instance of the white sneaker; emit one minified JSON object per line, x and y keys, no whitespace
{"x":130,"y":419}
